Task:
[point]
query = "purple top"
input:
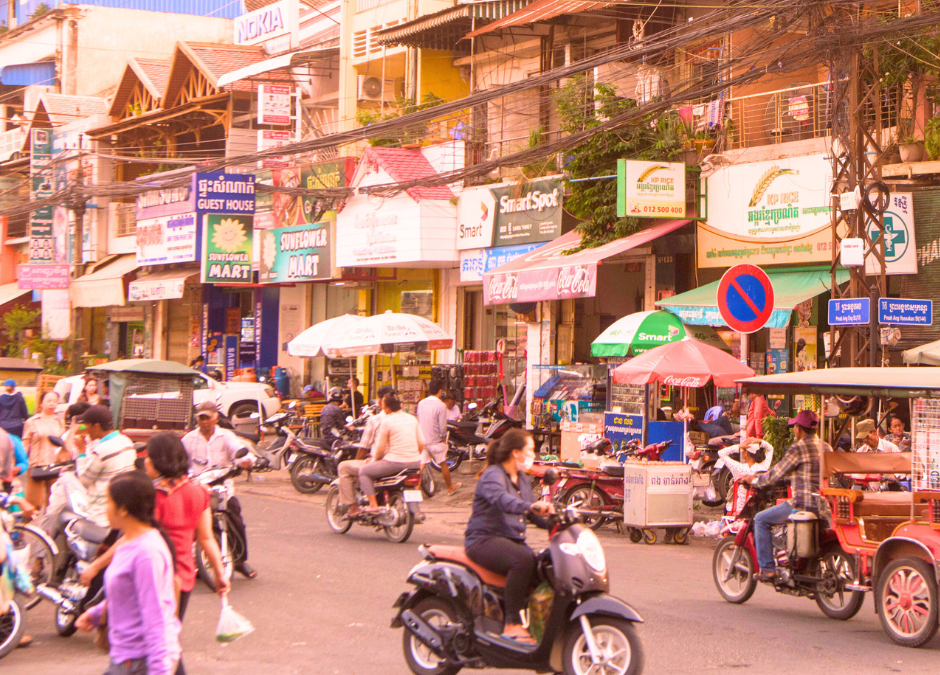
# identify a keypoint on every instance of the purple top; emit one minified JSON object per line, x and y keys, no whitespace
{"x":141,"y":604}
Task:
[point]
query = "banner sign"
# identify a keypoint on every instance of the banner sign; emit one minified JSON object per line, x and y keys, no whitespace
{"x":768,"y":213}
{"x":274,"y":104}
{"x":43,"y":276}
{"x":230,"y":354}
{"x":291,"y":254}
{"x":165,"y":202}
{"x":284,"y":210}
{"x":650,"y":189}
{"x":527,"y":214}
{"x":146,"y":289}
{"x":41,"y":240}
{"x":167,"y":239}
{"x":621,"y":428}
{"x":227,"y":247}
{"x":474,"y":263}
{"x":900,"y":245}
{"x":558,"y":283}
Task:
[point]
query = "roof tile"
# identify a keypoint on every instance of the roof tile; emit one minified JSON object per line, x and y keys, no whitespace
{"x":63,"y":109}
{"x":404,"y":164}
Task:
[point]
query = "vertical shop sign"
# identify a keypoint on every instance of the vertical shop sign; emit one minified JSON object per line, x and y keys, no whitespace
{"x":231,"y":355}
{"x":804,"y":349}
{"x":258,"y":327}
{"x":900,"y":245}
{"x":274,"y":103}
{"x":650,"y":189}
{"x":204,"y":347}
{"x":41,"y":241}
{"x":227,"y":249}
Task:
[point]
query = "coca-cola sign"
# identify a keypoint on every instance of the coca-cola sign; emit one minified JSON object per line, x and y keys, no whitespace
{"x":673,"y":381}
{"x":577,"y":281}
{"x":501,"y":289}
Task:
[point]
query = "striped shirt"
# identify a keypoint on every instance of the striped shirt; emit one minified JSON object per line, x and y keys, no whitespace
{"x":106,"y":458}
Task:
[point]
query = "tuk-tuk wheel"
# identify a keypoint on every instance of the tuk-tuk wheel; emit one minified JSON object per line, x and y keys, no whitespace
{"x":649,"y":536}
{"x":907,"y":601}
{"x":635,"y":535}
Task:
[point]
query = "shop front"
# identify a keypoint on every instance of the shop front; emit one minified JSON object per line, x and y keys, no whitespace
{"x":100,"y":291}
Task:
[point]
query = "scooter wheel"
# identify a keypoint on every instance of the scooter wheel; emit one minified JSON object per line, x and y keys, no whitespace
{"x":636,"y":535}
{"x":650,"y":536}
{"x":420,"y":659}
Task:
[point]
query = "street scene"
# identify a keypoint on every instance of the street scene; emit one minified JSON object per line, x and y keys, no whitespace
{"x":590,"y":338}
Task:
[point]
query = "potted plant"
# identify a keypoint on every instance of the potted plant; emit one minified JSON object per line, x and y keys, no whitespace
{"x":910,"y":147}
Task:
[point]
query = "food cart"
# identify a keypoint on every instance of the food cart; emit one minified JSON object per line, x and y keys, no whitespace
{"x":657,"y":495}
{"x":891,"y":540}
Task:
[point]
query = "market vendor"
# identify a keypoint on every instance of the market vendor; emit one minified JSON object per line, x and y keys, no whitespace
{"x":867,"y":433}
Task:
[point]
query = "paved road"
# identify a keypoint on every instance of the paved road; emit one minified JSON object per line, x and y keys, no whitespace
{"x":322,"y":605}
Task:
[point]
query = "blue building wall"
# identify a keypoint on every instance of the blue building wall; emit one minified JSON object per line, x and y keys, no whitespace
{"x":223,"y":9}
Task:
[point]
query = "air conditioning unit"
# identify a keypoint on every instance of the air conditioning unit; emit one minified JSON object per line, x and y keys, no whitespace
{"x":371,"y":89}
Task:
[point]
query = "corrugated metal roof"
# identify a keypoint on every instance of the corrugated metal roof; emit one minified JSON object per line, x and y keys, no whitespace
{"x":541,"y":10}
{"x":25,"y":74}
{"x":220,"y":9}
{"x":424,"y":31}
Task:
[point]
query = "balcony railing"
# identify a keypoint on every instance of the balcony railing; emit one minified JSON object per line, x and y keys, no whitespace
{"x":793,"y":114}
{"x":11,"y":143}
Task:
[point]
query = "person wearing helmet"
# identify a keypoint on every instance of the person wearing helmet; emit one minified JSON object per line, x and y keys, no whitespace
{"x":332,"y":416}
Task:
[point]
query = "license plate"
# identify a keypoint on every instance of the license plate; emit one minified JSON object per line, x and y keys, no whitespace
{"x":412,"y":496}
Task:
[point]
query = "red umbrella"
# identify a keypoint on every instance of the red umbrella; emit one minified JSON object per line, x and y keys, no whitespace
{"x":687,"y":363}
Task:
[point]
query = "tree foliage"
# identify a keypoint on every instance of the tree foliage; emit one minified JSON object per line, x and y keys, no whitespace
{"x":582,"y":105}
{"x":412,"y":133}
{"x":16,"y":323}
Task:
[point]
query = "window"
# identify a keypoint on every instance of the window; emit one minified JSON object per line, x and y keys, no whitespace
{"x":126,"y":215}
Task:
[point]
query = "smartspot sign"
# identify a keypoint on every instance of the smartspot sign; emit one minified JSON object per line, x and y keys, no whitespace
{"x":528,"y":213}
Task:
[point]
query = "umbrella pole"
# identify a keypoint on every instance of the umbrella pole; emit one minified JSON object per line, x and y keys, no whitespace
{"x":685,"y":423}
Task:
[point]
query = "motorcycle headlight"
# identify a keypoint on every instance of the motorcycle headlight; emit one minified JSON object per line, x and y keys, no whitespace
{"x":592,"y":551}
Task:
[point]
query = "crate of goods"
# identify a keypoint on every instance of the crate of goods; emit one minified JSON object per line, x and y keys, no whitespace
{"x":575,"y":436}
{"x":657,"y":494}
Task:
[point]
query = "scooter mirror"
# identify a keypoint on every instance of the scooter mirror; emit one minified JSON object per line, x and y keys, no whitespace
{"x":241,"y":453}
{"x":472,"y":406}
{"x":56,"y":441}
{"x":550,"y":477}
{"x":349,"y":419}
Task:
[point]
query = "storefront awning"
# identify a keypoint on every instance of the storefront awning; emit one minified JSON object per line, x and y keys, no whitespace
{"x":277,"y":63}
{"x":26,"y":74}
{"x":700,"y":306}
{"x":547,"y":274}
{"x":541,"y":10}
{"x":104,"y":287}
{"x":11,"y":292}
{"x":446,"y":28}
{"x":162,"y":285}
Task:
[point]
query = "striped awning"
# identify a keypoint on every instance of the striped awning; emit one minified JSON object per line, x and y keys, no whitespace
{"x":541,"y":10}
{"x":444,"y":29}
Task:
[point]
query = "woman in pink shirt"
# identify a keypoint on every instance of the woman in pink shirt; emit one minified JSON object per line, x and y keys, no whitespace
{"x":140,"y":604}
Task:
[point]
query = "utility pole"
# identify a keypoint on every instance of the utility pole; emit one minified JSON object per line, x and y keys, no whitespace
{"x":77,"y":206}
{"x":857,"y":146}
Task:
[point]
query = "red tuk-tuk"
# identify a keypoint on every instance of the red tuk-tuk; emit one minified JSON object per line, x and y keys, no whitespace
{"x":888,"y":541}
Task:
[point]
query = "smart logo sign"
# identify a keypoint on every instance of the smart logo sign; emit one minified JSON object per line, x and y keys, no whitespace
{"x":527,"y":214}
{"x":745,"y":298}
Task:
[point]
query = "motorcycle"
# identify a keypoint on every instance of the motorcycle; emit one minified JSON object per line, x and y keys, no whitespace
{"x":399,"y":497}
{"x":309,"y":460}
{"x":705,"y":461}
{"x":231,"y":545}
{"x":454,"y":616}
{"x":82,"y":538}
{"x":810,"y":562}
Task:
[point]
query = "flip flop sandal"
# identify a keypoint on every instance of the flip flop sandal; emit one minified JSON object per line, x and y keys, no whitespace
{"x":521,"y":639}
{"x":452,"y":491}
{"x":25,"y":641}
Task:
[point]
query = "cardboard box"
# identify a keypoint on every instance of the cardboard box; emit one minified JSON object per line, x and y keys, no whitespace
{"x":573,"y":441}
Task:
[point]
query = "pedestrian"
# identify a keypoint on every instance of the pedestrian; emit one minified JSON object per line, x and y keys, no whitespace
{"x":13,"y":412}
{"x":756,"y":412}
{"x":453,"y":410}
{"x":39,"y":448}
{"x":182,"y":510}
{"x":209,"y":446}
{"x":355,"y":400}
{"x":109,"y":454}
{"x":140,"y":606}
{"x":432,"y":416}
{"x":198,"y":363}
{"x":90,"y":393}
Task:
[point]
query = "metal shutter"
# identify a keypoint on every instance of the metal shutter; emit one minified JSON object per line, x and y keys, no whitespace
{"x":925,"y":284}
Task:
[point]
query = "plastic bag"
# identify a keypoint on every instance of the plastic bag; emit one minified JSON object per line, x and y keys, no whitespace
{"x":540,"y":605}
{"x":232,"y":625}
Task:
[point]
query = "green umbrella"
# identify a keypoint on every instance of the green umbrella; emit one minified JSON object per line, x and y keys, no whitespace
{"x":642,"y":331}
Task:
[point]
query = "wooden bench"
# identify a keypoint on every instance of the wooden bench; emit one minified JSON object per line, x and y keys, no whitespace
{"x":852,"y":504}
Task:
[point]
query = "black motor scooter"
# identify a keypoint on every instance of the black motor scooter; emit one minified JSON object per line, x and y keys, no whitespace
{"x":454,"y":617}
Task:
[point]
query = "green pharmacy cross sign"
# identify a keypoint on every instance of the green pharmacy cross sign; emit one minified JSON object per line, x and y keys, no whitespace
{"x":896,"y":239}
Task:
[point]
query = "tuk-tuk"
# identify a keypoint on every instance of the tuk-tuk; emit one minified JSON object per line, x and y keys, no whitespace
{"x":149,"y":396}
{"x":893,"y":536}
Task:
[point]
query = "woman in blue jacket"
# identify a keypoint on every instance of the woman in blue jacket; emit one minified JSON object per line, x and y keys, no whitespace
{"x":495,"y":535}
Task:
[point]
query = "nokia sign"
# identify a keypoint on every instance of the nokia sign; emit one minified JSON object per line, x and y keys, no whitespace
{"x":263,"y":24}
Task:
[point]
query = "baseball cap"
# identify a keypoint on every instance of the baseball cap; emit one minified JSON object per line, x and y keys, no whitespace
{"x":805,"y":418}
{"x":10,"y":383}
{"x":206,"y":408}
{"x":863,"y":428}
{"x":96,"y":414}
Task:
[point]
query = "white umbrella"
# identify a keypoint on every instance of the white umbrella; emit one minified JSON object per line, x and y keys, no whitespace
{"x":313,"y":341}
{"x":387,"y":333}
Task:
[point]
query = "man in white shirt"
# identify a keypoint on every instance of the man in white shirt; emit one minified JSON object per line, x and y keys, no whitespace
{"x":868,"y":434}
{"x":110,"y":453}
{"x":453,"y":410}
{"x":432,"y":416}
{"x":348,"y":471}
{"x":211,"y":447}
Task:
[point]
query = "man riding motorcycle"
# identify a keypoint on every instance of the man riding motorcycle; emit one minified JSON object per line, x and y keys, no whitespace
{"x":348,"y":471}
{"x":211,"y":447}
{"x":801,"y":463}
{"x":332,"y":416}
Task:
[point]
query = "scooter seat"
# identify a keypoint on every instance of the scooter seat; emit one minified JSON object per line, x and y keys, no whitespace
{"x":459,"y":555}
{"x":611,"y":470}
{"x":90,"y":532}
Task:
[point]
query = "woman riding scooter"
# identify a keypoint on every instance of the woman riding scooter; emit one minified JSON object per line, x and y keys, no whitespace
{"x":495,"y":535}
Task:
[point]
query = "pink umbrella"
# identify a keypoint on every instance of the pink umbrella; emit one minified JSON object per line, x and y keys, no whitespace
{"x":687,"y":363}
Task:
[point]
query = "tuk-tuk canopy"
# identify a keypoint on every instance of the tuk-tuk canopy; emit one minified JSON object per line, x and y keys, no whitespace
{"x":145,"y":366}
{"x":883,"y":382}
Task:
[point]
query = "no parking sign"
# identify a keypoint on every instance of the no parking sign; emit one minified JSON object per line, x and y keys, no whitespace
{"x":745,"y":298}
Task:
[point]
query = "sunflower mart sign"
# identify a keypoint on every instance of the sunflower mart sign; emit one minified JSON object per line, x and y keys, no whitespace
{"x":227,"y":243}
{"x":650,"y":189}
{"x":299,"y":253}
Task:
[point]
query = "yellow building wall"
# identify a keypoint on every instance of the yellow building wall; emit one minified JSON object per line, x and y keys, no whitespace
{"x":438,"y":75}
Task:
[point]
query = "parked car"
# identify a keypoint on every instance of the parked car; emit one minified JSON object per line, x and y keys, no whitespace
{"x":234,"y":398}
